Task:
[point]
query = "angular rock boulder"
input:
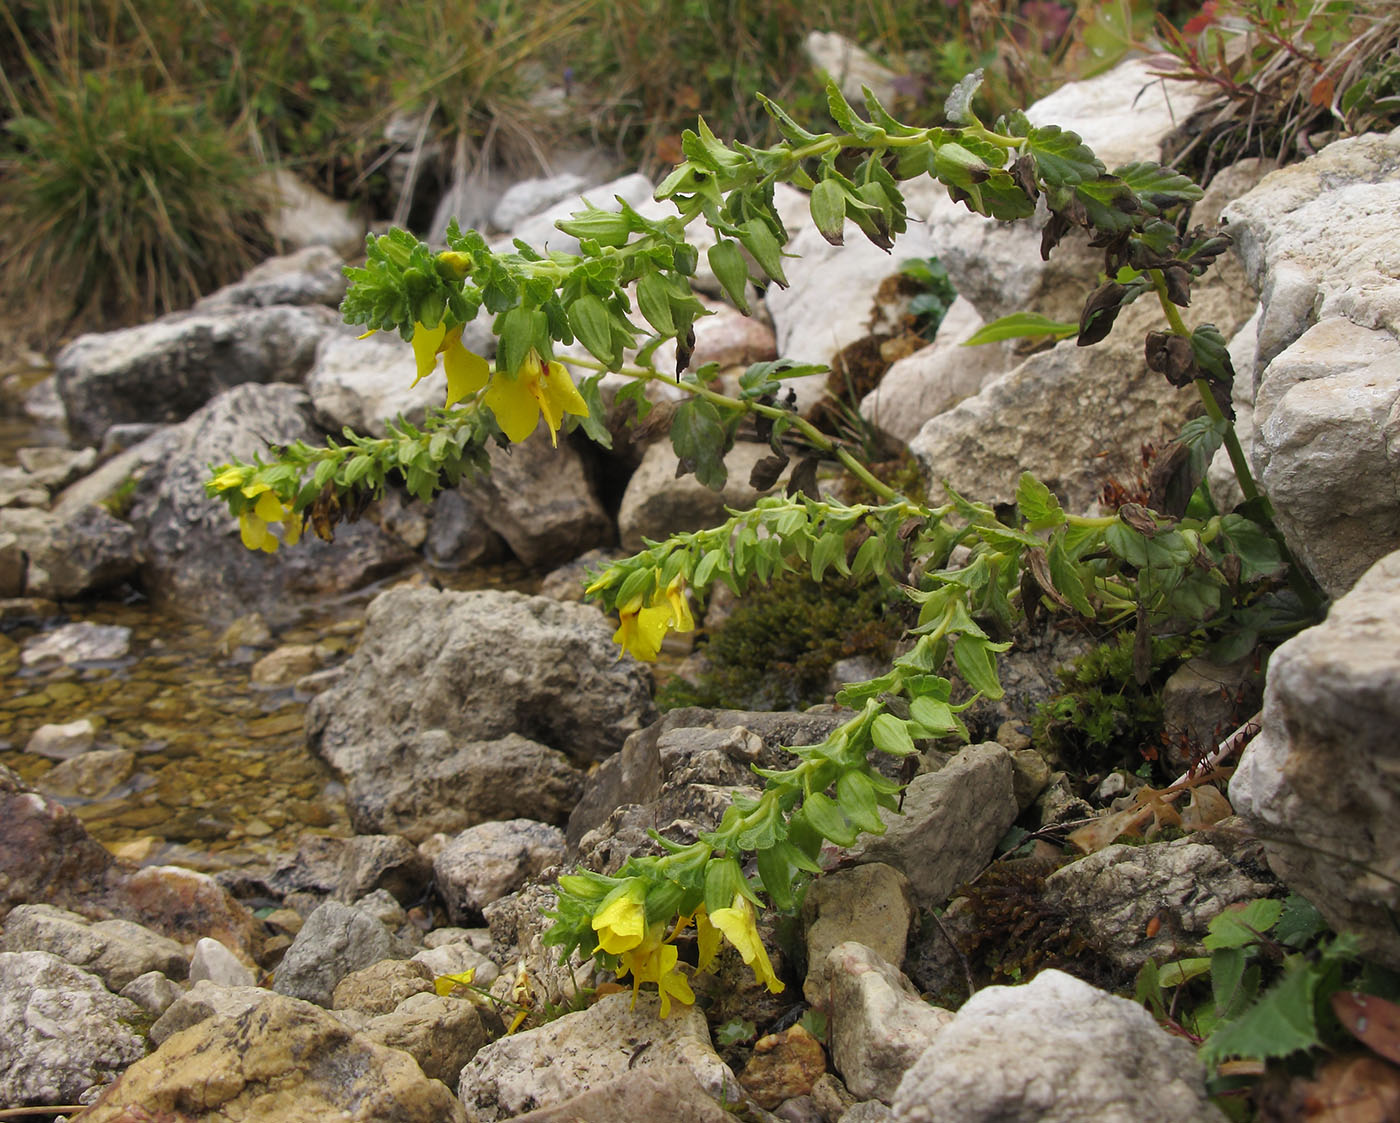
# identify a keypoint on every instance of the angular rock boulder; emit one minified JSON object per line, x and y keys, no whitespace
{"x":195,"y":562}
{"x":1321,"y":783}
{"x":165,"y":370}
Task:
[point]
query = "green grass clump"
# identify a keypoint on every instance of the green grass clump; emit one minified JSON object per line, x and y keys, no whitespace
{"x":777,"y":649}
{"x":120,"y":201}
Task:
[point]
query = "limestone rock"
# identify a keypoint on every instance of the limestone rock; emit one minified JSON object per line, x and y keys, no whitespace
{"x":952,"y":821}
{"x":850,"y":67}
{"x":1054,"y":1051}
{"x":116,"y":951}
{"x":542,"y":501}
{"x":1314,"y":245}
{"x":937,"y":377}
{"x":485,"y":862}
{"x":64,"y":1031}
{"x":153,"y":992}
{"x":75,"y":644}
{"x":346,"y":869}
{"x":833,"y":296}
{"x":56,"y":468}
{"x":658,"y":503}
{"x":195,"y":562}
{"x":441,"y":1034}
{"x":83,"y":552}
{"x":92,"y":775}
{"x":638,"y":1096}
{"x":204,"y":1000}
{"x":879,"y":1026}
{"x":474,"y":667}
{"x":1074,"y":416}
{"x":313,"y":275}
{"x":380,"y":987}
{"x":1327,"y":456}
{"x":213,"y":961}
{"x":335,"y":940}
{"x":1320,"y":784}
{"x":1113,"y":894}
{"x":548,"y":1065}
{"x":530,"y":196}
{"x":279,"y":1060}
{"x":63,"y":741}
{"x":868,"y":904}
{"x":167,"y":369}
{"x":303,"y":216}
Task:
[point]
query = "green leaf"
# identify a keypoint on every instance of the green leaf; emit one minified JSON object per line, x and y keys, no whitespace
{"x":828,"y":206}
{"x":654,"y":300}
{"x":1158,"y":188}
{"x":1299,"y":924}
{"x":1258,"y":552}
{"x":975,"y":658}
{"x":891,"y":735}
{"x":829,"y":550}
{"x":1280,"y":1023}
{"x":935,"y":718}
{"x":870,"y":558}
{"x":856,"y":796}
{"x":776,"y":873}
{"x":731,"y":270}
{"x":1038,"y":504}
{"x":698,"y":436}
{"x":1227,"y":982}
{"x":1061,"y":157}
{"x":826,"y":818}
{"x":595,"y":422}
{"x":758,"y":239}
{"x":735,"y":1030}
{"x":1108,"y":204}
{"x":791,"y":130}
{"x":1183,"y":970}
{"x":1236,"y":928}
{"x":1065,"y":575}
{"x":1212,"y":353}
{"x":1020,"y":325}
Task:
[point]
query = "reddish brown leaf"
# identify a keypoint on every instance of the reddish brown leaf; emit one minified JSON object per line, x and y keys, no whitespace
{"x":1353,"y":1089}
{"x":1372,"y":1021}
{"x":1322,"y":91}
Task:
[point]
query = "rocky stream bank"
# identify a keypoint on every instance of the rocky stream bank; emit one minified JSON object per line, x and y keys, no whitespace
{"x":239,"y":857}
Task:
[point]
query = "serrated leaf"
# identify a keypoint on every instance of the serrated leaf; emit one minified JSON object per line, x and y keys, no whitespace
{"x":1280,"y":1023}
{"x":829,"y":550}
{"x":1158,"y":188}
{"x":1108,"y":204}
{"x":1212,"y":353}
{"x":1038,"y":504}
{"x":1061,"y":157}
{"x":1258,"y":552}
{"x":1020,"y":325}
{"x":958,"y":106}
{"x":1065,"y":575}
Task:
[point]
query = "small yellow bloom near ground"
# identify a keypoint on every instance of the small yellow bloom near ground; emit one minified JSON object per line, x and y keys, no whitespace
{"x":621,"y":922}
{"x":654,"y":961}
{"x":740,"y":927}
{"x":642,"y":627}
{"x":519,"y":398}
{"x":466,"y":371}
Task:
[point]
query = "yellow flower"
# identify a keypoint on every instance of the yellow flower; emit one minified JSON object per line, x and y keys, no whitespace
{"x":466,"y":371}
{"x":621,"y":923}
{"x":707,"y":937}
{"x":253,"y":525}
{"x":655,"y":962}
{"x":741,"y":929}
{"x":641,"y":629}
{"x":227,"y":480}
{"x":518,"y":399}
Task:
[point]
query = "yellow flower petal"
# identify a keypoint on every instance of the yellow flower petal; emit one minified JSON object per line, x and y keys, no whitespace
{"x":707,"y":937}
{"x":681,"y":619}
{"x":255,"y":534}
{"x":291,"y":529}
{"x":228,"y":480}
{"x":558,"y":395}
{"x":740,"y":929}
{"x":517,"y":412}
{"x":269,"y":508}
{"x":426,"y":342}
{"x":467,"y":372}
{"x":257,"y":487}
{"x":621,"y":923}
{"x":641,"y":630}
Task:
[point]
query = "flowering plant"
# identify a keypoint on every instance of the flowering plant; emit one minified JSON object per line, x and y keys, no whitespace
{"x":1159,"y":571}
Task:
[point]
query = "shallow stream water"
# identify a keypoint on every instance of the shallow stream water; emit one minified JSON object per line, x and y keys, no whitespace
{"x":221,"y":774}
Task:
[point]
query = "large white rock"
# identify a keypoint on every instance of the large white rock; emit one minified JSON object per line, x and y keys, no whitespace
{"x":1321,"y":783}
{"x":302,"y":216}
{"x":550,"y":1064}
{"x":937,"y":377}
{"x":1318,"y":240}
{"x":1054,"y":1051}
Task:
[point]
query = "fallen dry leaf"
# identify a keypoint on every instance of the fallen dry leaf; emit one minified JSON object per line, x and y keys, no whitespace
{"x":1353,"y":1089}
{"x":1372,"y":1021}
